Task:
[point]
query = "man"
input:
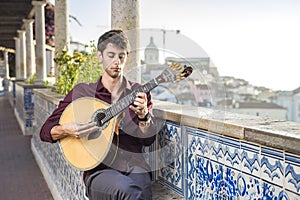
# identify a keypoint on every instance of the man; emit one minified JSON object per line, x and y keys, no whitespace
{"x":128,"y":177}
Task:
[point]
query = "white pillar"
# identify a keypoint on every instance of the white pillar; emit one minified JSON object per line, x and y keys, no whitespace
{"x":62,"y":40}
{"x":30,"y":56}
{"x":17,"y":58}
{"x":125,"y":15}
{"x":40,"y":49}
{"x":22,"y":54}
{"x":6,"y":64}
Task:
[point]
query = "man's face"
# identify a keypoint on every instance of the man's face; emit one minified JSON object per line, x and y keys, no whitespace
{"x":113,"y":59}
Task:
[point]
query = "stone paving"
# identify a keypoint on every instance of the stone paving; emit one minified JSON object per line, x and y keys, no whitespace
{"x":161,"y":192}
{"x":21,"y":177}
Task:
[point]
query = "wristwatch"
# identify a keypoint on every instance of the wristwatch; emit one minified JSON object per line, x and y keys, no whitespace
{"x":146,"y":118}
{"x":144,"y":122}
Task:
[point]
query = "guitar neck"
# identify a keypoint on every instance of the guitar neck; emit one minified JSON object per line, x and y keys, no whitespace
{"x":124,"y":102}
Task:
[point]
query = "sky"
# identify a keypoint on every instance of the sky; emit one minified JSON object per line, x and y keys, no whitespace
{"x":255,"y":40}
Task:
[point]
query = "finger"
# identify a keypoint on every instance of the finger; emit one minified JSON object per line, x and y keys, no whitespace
{"x":88,"y":131}
{"x":141,"y":95}
{"x":137,"y":110}
{"x":81,"y":123}
{"x":86,"y":125}
{"x":137,"y":106}
{"x":134,"y":109}
{"x":138,"y":101}
{"x":76,"y":134}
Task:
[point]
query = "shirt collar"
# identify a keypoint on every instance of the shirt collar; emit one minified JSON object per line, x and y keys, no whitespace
{"x":125,"y":83}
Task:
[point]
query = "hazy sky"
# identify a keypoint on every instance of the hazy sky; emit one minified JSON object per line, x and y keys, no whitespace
{"x":257,"y":40}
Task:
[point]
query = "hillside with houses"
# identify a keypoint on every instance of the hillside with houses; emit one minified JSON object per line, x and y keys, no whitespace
{"x":206,"y":88}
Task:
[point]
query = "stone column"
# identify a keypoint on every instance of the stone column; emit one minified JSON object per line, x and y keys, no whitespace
{"x":40,"y":38}
{"x":22,"y":54}
{"x":6,"y":64}
{"x":6,"y":67}
{"x":125,"y":15}
{"x":30,"y":58}
{"x":17,"y":58}
{"x":62,"y":40}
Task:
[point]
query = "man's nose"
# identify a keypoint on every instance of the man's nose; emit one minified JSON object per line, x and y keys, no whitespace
{"x":117,"y":60}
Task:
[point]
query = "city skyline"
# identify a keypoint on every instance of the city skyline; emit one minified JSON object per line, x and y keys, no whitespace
{"x":253,"y":40}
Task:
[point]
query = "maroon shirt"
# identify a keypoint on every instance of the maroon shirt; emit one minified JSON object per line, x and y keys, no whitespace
{"x":131,"y":139}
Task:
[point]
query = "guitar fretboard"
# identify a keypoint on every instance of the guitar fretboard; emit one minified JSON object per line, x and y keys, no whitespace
{"x":124,"y":102}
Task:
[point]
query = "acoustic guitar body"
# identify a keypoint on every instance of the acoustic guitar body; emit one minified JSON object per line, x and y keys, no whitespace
{"x":89,"y":151}
{"x":86,"y":153}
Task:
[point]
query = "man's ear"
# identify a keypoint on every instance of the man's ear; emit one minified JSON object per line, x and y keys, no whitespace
{"x":99,"y":55}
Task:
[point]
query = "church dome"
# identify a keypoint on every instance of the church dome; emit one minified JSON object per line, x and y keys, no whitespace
{"x":151,"y":53}
{"x":151,"y":45}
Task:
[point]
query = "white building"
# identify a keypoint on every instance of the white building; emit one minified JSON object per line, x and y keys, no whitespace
{"x":261,"y":109}
{"x":193,"y":91}
{"x":291,"y":101}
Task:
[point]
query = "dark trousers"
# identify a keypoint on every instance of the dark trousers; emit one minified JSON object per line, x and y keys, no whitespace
{"x":110,"y":184}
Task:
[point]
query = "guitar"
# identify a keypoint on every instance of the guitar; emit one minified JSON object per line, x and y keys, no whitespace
{"x":90,"y":150}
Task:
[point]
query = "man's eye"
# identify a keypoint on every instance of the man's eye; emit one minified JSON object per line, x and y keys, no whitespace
{"x":121,"y":56}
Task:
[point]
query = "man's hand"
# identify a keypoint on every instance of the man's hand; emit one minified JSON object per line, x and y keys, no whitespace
{"x":73,"y":129}
{"x":140,"y":105}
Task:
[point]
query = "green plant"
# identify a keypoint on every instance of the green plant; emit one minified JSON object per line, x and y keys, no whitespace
{"x":45,"y":83}
{"x":81,"y":67}
{"x":31,"y":79}
{"x":68,"y":67}
{"x":91,"y":68}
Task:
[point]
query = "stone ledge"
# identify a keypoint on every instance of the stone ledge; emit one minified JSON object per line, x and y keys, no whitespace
{"x":274,"y":133}
{"x":49,"y":95}
{"x":27,"y":85}
{"x":281,"y":134}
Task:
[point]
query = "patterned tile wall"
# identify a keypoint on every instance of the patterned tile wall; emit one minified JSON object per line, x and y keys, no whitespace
{"x":170,"y":157}
{"x":194,"y":163}
{"x":220,"y":167}
{"x":24,"y":106}
{"x":67,"y":179}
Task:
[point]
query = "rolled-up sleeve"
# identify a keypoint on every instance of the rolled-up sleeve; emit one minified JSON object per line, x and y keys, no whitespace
{"x":53,"y":120}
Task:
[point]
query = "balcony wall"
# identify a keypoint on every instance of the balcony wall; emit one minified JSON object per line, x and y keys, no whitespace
{"x":199,"y":154}
{"x":22,"y":99}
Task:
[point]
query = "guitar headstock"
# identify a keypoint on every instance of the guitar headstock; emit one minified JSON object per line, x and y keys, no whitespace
{"x":174,"y":73}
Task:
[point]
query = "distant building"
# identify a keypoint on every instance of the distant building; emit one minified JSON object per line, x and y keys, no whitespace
{"x":151,"y":59}
{"x":201,"y":65}
{"x":291,"y":101}
{"x":261,"y":109}
{"x":197,"y":91}
{"x":151,"y":53}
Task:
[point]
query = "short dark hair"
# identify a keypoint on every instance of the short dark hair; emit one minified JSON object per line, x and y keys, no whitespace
{"x":116,"y":37}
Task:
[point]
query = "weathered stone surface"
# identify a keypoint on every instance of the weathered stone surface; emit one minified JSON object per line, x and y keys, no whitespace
{"x":284,"y":135}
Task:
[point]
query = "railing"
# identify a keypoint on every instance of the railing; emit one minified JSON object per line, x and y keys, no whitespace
{"x":200,"y":154}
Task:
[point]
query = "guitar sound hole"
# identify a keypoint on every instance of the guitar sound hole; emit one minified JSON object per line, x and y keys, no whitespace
{"x":97,"y":117}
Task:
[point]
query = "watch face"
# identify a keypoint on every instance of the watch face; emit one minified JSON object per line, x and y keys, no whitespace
{"x":144,"y":123}
{"x":146,"y":118}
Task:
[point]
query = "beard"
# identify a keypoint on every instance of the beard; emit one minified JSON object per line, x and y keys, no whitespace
{"x":113,"y":73}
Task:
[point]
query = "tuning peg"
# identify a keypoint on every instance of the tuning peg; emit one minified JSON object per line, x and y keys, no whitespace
{"x":172,"y":66}
{"x":175,"y":64}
